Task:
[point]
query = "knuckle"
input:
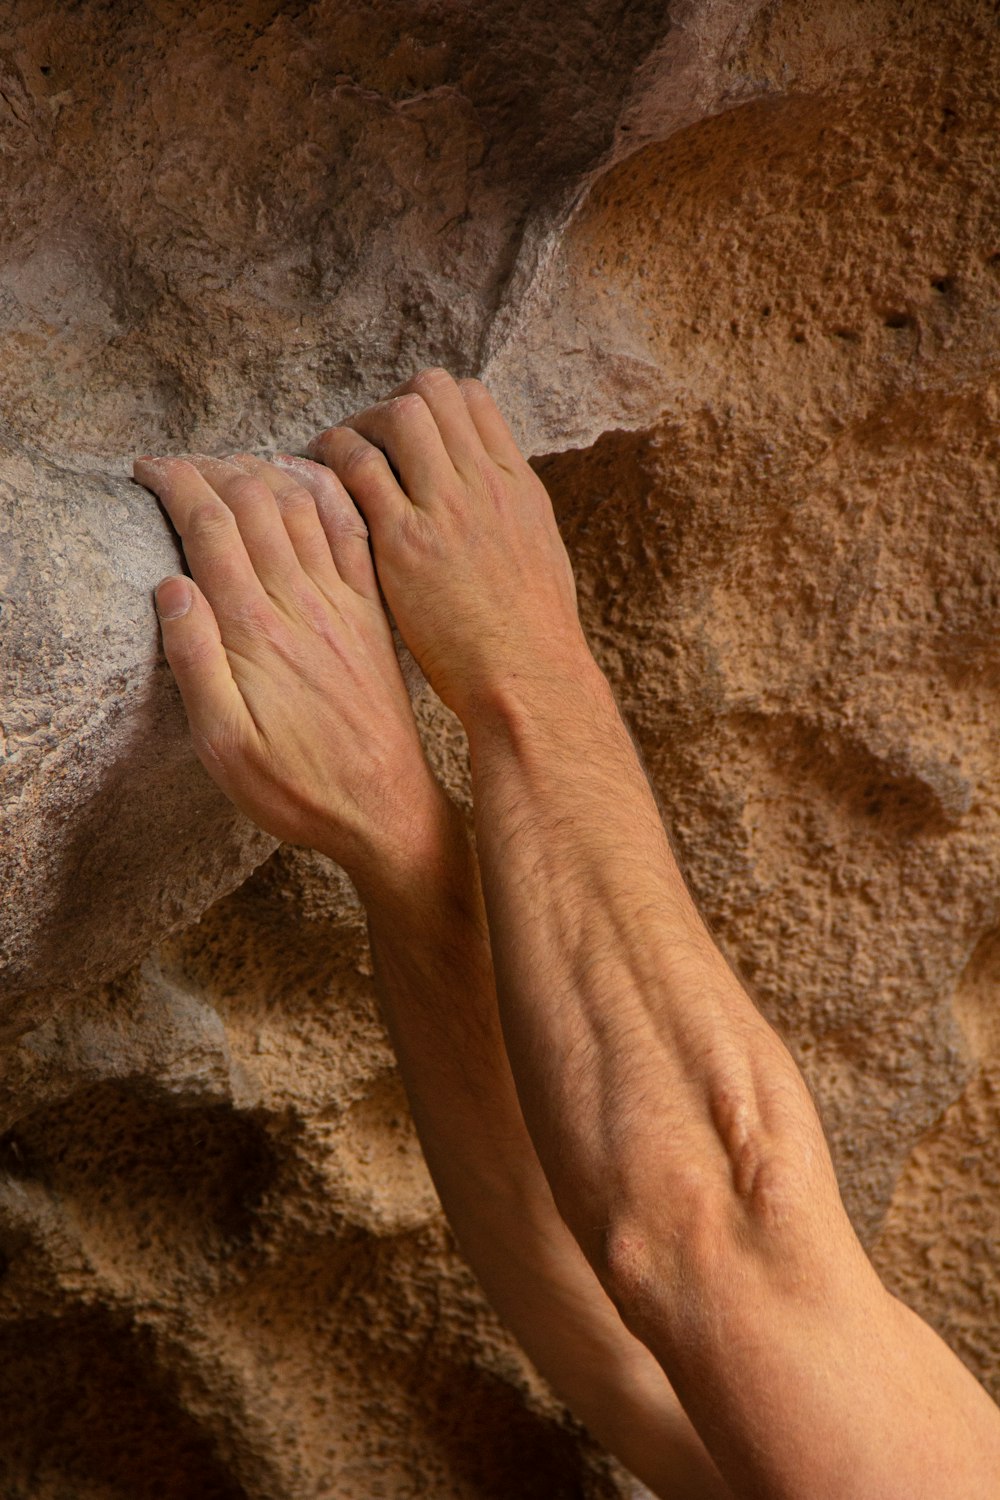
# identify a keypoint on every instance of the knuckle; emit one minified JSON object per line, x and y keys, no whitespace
{"x":210,"y":520}
{"x":189,"y":657}
{"x":246,"y":490}
{"x":326,"y":447}
{"x":410,"y":404}
{"x":416,"y":536}
{"x":346,"y":523}
{"x":254,"y":617}
{"x":454,"y":500}
{"x":296,"y":500}
{"x":330,"y":496}
{"x":495,"y":485}
{"x":363,"y":459}
{"x":313,"y":611}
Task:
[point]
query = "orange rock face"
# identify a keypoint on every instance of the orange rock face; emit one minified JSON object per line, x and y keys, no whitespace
{"x":737,"y":280}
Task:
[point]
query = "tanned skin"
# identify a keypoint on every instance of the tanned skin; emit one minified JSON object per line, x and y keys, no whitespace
{"x":624,"y":1147}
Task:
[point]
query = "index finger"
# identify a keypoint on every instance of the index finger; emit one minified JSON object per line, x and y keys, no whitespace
{"x":441,"y":395}
{"x":490,"y":423}
{"x":216,"y":555}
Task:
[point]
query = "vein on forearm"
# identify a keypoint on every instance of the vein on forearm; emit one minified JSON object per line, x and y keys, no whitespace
{"x":630,"y":1037}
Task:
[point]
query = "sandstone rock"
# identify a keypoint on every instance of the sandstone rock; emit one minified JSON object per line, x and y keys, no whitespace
{"x":736,"y":276}
{"x":192,"y":267}
{"x":95,"y":862}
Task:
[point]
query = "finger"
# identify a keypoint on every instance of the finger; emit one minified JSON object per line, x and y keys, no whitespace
{"x":298,"y":512}
{"x":193,"y":647}
{"x":408,"y":435}
{"x":265,"y":536}
{"x":441,"y":395}
{"x":364,"y":472}
{"x":345,"y":531}
{"x":207,"y":528}
{"x":494,"y":434}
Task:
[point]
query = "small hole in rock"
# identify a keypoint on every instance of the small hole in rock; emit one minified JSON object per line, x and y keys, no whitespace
{"x":942,"y":284}
{"x":45,"y":70}
{"x":12,"y":1155}
{"x":899,"y":320}
{"x":847,"y":334}
{"x":765,"y":312}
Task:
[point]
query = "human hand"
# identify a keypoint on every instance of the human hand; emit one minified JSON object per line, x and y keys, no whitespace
{"x":285,"y":661}
{"x":467,"y":548}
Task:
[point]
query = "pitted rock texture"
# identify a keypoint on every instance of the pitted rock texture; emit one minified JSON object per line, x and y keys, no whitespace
{"x":735,"y":273}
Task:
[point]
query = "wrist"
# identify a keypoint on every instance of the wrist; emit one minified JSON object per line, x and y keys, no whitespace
{"x":400,"y":876}
{"x":559,"y":695}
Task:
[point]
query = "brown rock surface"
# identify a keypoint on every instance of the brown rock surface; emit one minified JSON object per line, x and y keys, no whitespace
{"x":737,"y":278}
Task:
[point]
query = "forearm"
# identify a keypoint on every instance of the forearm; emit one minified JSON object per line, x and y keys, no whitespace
{"x":435,"y":979}
{"x":679,"y":1138}
{"x":632,"y":1041}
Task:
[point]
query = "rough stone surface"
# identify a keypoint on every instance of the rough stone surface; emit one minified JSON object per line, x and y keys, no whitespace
{"x":735,"y":272}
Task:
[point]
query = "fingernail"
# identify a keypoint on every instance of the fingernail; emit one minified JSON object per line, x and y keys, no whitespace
{"x":173,"y":598}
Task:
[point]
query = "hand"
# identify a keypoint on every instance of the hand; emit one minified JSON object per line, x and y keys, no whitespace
{"x":284,"y":658}
{"x":468,"y":552}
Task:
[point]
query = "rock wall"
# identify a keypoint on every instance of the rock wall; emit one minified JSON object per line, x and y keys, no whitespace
{"x":735,"y":273}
